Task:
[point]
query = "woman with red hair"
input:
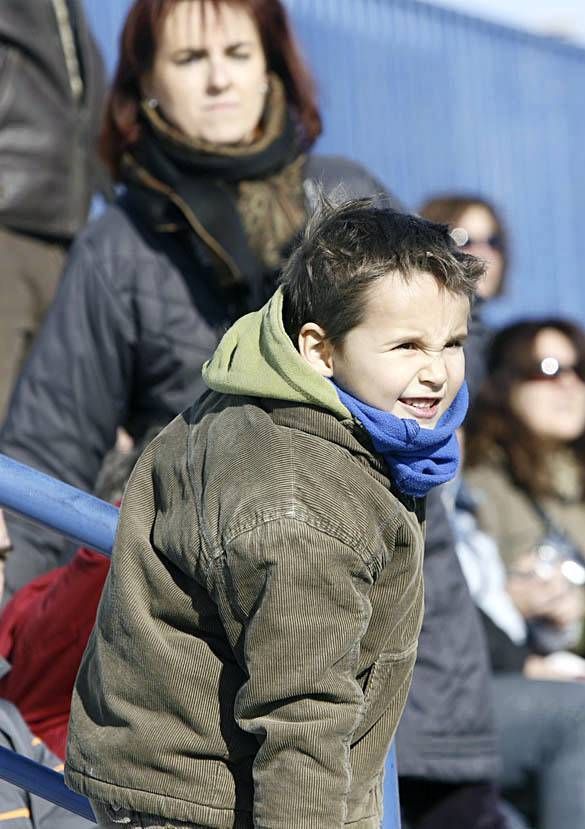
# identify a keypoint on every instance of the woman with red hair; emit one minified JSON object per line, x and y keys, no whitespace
{"x":208,"y":132}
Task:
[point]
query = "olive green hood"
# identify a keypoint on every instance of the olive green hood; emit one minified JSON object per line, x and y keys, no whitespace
{"x":256,"y":358}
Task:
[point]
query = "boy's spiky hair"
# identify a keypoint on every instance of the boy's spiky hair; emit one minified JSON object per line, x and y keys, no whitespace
{"x":346,"y":248}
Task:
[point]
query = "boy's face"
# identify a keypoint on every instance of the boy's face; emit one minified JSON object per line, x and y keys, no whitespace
{"x":406,"y":356}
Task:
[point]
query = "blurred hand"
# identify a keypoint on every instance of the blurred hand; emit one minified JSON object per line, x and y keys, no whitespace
{"x":124,"y":443}
{"x":4,"y":537}
{"x":5,"y":546}
{"x":541,"y":590}
{"x":567,"y":608}
{"x":563,"y":666}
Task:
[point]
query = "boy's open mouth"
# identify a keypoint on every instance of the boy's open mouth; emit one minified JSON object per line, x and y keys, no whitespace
{"x":421,"y":407}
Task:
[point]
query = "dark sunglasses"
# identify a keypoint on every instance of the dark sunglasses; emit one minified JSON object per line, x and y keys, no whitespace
{"x":463,"y":240}
{"x":495,"y":242}
{"x":549,"y":369}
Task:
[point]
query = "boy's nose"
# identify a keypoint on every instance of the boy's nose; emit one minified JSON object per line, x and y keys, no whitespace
{"x":434,"y":372}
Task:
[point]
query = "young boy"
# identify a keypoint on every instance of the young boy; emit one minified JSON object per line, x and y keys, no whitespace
{"x":257,"y":633}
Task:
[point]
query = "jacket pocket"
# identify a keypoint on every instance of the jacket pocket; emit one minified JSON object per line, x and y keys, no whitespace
{"x":387,"y":684}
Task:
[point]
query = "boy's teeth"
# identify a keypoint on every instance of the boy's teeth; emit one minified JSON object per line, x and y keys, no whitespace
{"x":419,"y":404}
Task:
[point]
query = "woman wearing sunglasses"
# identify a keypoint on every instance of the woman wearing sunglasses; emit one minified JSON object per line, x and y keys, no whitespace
{"x":525,"y":470}
{"x":477,"y":227}
{"x":526,"y":445}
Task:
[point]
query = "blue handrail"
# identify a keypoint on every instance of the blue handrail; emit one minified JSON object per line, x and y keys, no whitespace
{"x":91,"y":522}
{"x":41,"y":498}
{"x":391,"y":798}
{"x":44,"y":782}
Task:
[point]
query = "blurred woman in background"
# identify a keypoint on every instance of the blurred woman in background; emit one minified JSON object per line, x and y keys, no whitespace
{"x":208,"y":131}
{"x":524,"y":541}
{"x":477,"y":227}
{"x":525,"y":451}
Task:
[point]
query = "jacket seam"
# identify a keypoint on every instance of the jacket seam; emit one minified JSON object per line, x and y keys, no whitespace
{"x":76,"y":771}
{"x":398,"y":656}
{"x":209,"y":549}
{"x":332,"y":531}
{"x":97,"y":266}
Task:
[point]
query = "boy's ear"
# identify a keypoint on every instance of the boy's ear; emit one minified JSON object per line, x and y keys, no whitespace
{"x":315,"y":348}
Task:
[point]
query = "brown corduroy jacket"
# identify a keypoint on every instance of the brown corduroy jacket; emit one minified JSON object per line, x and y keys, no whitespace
{"x":256,"y":637}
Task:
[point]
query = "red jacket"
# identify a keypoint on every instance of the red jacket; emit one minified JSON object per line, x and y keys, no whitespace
{"x":43,"y":632}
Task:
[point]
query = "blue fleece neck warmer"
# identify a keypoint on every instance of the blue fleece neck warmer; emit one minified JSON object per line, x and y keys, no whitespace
{"x":418,"y":459}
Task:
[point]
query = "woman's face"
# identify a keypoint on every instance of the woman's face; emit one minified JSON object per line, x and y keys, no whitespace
{"x":209,"y":74}
{"x":552,"y":407}
{"x":484,"y":243}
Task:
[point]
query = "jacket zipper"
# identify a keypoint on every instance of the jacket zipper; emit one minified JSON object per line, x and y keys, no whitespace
{"x":69,"y":47}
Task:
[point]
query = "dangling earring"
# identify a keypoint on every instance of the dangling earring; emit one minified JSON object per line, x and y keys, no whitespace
{"x":152,"y":103}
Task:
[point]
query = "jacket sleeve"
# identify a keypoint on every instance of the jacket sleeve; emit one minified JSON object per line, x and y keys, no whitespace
{"x":303,"y":597}
{"x":71,"y":395}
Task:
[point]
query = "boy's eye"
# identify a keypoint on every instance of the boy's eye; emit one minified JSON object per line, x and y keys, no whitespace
{"x":410,"y":346}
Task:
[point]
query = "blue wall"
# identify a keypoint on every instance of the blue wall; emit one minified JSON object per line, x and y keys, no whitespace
{"x":433,"y":100}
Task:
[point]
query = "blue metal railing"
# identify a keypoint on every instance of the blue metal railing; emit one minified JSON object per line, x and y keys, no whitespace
{"x":391,"y":798}
{"x":42,"y":781}
{"x":91,"y":522}
{"x":56,"y":505}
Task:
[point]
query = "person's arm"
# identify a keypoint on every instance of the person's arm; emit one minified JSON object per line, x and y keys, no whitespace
{"x":302,"y":597}
{"x":71,"y":395}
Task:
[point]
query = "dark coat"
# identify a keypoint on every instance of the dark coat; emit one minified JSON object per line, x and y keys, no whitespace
{"x":48,"y":138}
{"x":122,"y":345}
